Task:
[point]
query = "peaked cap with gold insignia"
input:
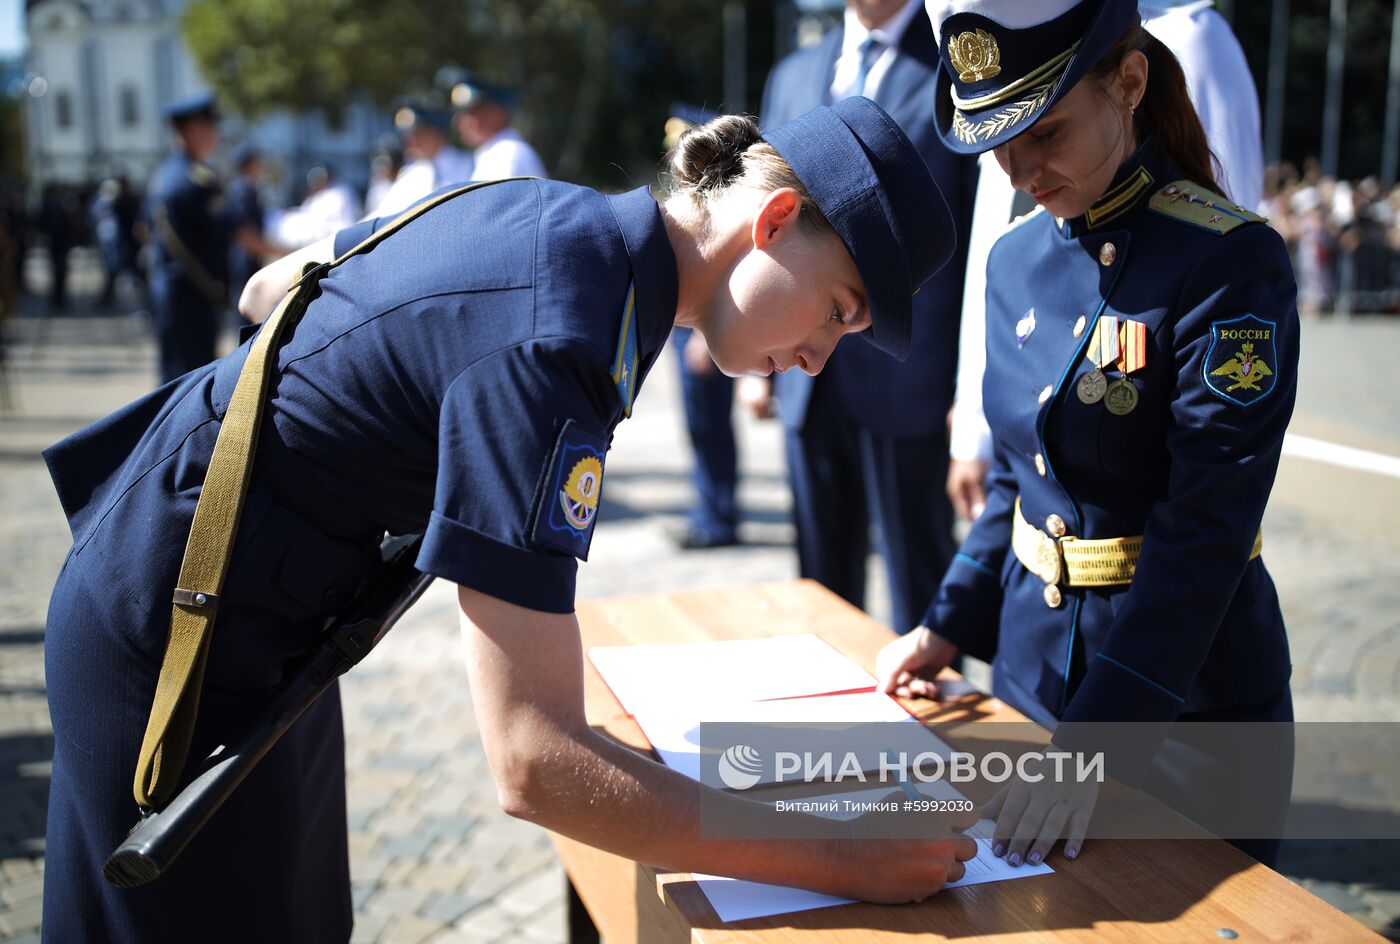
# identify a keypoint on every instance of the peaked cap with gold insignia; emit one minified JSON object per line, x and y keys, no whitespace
{"x":1007,"y":62}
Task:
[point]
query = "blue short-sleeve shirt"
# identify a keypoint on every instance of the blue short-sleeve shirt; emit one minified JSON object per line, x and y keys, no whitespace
{"x":462,"y":379}
{"x":483,"y":377}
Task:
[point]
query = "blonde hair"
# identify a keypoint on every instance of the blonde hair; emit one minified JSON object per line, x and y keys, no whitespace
{"x":729,"y":152}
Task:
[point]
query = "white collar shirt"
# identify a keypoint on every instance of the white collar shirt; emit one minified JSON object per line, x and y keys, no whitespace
{"x":889,"y":35}
{"x":507,"y":154}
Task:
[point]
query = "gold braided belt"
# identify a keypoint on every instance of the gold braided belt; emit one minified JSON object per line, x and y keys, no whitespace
{"x":1077,"y":562}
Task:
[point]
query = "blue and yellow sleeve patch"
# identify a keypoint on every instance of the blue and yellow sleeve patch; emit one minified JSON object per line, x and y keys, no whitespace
{"x":624,"y":371}
{"x":568,"y":504}
{"x":1240,"y":362}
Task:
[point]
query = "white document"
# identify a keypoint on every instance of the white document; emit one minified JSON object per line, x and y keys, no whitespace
{"x":738,"y":900}
{"x":675,"y":732}
{"x":739,"y":670}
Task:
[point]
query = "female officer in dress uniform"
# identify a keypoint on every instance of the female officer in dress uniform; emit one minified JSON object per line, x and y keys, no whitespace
{"x":1142,"y":340}
{"x":461,"y":379}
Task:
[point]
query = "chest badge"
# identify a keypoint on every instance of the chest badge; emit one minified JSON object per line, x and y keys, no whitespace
{"x":1025,"y":328}
{"x":1238,"y":364}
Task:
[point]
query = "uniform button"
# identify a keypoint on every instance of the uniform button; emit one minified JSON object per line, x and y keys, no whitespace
{"x":1107,"y":253}
{"x":1040,"y":463}
{"x":1045,"y":394}
{"x":1056,"y":526}
{"x":1053,"y":599}
{"x":1080,"y":325}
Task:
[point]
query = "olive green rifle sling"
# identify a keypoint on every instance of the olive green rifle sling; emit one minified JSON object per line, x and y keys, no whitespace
{"x":215,"y":526}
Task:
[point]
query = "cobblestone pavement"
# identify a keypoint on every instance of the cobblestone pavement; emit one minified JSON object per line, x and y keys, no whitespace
{"x":433,"y":858}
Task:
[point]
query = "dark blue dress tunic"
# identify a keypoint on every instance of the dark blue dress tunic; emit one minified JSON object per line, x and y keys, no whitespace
{"x":463,"y":379}
{"x":1198,"y":634}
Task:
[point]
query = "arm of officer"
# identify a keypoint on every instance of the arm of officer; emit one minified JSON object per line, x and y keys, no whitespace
{"x":267,"y":285}
{"x":550,"y":767}
{"x":1225,"y":440}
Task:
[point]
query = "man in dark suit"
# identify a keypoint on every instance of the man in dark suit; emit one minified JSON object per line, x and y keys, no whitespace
{"x":867,"y":439}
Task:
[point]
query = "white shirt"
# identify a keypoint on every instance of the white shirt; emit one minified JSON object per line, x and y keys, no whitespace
{"x":507,"y":154}
{"x":1222,"y":89}
{"x":889,"y":35}
{"x":419,"y":178}
{"x":322,"y":214}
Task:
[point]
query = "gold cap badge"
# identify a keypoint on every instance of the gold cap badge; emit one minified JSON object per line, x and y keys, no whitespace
{"x":975,"y":55}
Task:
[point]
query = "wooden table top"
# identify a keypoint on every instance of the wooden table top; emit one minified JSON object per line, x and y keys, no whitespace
{"x":1118,"y":890}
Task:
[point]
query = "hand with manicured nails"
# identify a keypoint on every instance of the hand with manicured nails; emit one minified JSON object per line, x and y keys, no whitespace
{"x":1032,"y":816}
{"x":906,"y":667}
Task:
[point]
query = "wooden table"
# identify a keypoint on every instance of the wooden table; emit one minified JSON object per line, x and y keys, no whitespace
{"x":1120,"y":890}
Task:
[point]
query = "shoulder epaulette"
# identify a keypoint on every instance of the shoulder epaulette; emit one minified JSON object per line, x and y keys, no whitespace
{"x":624,"y":371}
{"x":201,"y":175}
{"x":1191,"y":203}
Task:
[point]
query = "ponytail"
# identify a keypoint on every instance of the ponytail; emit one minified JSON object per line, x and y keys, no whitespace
{"x":1165,"y":112}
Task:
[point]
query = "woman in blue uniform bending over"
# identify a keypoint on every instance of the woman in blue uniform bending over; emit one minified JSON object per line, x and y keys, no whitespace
{"x":461,"y":379}
{"x":1142,"y":345}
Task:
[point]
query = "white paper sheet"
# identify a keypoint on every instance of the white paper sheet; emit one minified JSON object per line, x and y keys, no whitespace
{"x":738,"y":900}
{"x":675,"y":732}
{"x":731,"y":671}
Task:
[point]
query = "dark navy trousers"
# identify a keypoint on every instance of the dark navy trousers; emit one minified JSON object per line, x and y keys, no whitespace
{"x":844,"y":478}
{"x":709,"y":402}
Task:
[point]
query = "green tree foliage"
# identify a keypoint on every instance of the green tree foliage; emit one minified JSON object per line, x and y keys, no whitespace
{"x":1364,"y":78}
{"x":598,"y":76}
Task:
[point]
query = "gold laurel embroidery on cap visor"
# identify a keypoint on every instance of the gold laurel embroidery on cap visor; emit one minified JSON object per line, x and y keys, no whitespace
{"x":972,"y":132}
{"x":579,"y":496}
{"x":975,"y":55}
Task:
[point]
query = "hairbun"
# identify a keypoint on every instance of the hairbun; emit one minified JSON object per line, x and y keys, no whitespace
{"x":710,"y":156}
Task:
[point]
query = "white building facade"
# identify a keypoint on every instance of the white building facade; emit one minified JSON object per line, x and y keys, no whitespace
{"x":107,"y":68}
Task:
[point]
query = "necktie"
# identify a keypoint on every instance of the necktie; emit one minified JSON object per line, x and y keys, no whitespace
{"x":869,"y":52}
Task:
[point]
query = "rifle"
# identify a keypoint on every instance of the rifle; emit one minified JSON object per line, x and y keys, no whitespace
{"x":160,"y":836}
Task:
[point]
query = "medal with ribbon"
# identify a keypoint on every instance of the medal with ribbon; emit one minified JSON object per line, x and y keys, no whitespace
{"x":1103,"y":350}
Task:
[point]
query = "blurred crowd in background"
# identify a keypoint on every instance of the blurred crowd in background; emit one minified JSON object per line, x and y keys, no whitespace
{"x":1344,"y":235}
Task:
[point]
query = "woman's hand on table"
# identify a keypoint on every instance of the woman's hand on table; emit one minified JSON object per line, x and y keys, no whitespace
{"x":1032,"y":816}
{"x":906,"y":667}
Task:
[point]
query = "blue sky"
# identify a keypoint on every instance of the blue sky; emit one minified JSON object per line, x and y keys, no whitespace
{"x":11,"y":28}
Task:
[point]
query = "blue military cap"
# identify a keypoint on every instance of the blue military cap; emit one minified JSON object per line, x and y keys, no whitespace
{"x":244,"y":153}
{"x":465,"y":89}
{"x":193,"y":106}
{"x":1007,"y":62}
{"x":870,"y":182}
{"x":413,"y":113}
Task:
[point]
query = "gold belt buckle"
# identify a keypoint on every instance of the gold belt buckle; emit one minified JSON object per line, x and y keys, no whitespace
{"x":1050,"y":562}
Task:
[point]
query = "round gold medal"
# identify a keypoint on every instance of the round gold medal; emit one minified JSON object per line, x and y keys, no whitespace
{"x":1091,"y":387}
{"x":1121,"y":398}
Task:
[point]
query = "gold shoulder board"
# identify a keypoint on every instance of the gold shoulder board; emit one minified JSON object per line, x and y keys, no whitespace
{"x":1206,"y":209}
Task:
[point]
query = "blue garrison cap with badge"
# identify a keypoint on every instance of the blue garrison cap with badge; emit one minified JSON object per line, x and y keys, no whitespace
{"x":191,"y":107}
{"x":413,"y":113}
{"x":465,"y":89}
{"x":874,"y":188}
{"x":1007,"y":62}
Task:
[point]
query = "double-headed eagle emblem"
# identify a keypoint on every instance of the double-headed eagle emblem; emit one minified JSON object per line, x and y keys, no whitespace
{"x":975,"y":55}
{"x":1246,"y":369}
